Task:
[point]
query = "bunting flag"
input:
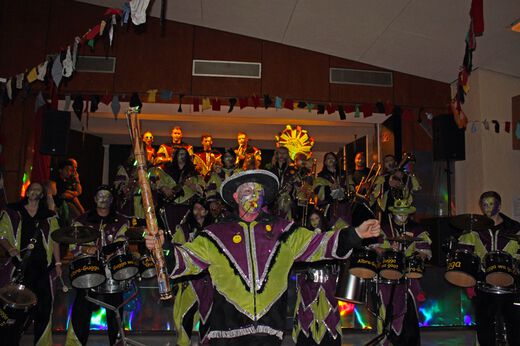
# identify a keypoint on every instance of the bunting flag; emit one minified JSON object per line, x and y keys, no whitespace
{"x":288,"y":104}
{"x":243,"y":102}
{"x":215,"y":104}
{"x":232,"y":102}
{"x":196,"y":104}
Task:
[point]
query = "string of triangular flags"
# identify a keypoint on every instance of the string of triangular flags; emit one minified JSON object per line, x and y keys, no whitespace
{"x":62,"y":64}
{"x":476,"y":28}
{"x":495,"y":125}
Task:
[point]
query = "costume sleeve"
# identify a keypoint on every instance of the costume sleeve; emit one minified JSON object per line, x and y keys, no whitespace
{"x":189,"y":259}
{"x":178,"y":236}
{"x":309,"y":246}
{"x":6,"y":228}
{"x":471,"y":241}
{"x":422,"y":245}
{"x":162,"y":179}
{"x":120,"y":235}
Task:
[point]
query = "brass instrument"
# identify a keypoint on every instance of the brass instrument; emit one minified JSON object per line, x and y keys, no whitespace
{"x":369,"y":180}
{"x":401,"y":170}
{"x":152,"y":228}
{"x":308,"y":192}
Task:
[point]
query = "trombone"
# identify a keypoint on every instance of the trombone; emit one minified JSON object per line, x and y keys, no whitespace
{"x":369,"y":180}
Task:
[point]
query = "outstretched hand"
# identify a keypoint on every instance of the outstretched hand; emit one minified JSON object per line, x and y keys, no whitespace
{"x":369,"y":229}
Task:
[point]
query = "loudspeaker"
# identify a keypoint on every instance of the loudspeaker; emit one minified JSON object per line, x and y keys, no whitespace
{"x":448,"y":139}
{"x":55,"y":133}
{"x":440,"y":230}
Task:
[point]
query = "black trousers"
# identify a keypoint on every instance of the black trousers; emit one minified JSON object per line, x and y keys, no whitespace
{"x":327,"y":340}
{"x":82,"y":312}
{"x":249,"y":340}
{"x":410,"y":333}
{"x":36,"y":279}
{"x":487,"y":307}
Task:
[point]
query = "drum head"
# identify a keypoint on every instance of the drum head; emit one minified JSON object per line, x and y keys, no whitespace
{"x":500,"y":279}
{"x":460,"y":279}
{"x":17,"y":296}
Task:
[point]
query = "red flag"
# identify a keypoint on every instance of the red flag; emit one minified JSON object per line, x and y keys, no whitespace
{"x":196,"y":104}
{"x":367,"y":110}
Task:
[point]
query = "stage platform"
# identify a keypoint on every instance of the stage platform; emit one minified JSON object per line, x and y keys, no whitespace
{"x":429,"y":337}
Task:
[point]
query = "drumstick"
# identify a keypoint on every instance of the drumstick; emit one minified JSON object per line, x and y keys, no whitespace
{"x":64,"y":287}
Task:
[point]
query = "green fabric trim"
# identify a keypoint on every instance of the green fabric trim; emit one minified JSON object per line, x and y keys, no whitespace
{"x":72,"y":339}
{"x":184,"y":300}
{"x":473,"y":238}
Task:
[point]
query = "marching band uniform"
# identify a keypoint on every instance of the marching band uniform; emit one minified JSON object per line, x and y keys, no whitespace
{"x":317,"y":320}
{"x":405,"y":322}
{"x":487,"y":305}
{"x":194,"y":297}
{"x":205,"y":160}
{"x":17,"y":227}
{"x":114,"y":227}
{"x":246,"y":261}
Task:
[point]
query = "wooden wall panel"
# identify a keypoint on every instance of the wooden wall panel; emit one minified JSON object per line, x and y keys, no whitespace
{"x":294,"y":72}
{"x":421,"y":92}
{"x":149,"y":60}
{"x":217,"y":45}
{"x":23,"y":27}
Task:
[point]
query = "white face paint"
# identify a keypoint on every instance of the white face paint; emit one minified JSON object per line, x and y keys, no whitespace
{"x":314,"y":220}
{"x":35,"y":192}
{"x":103,"y":199}
{"x":330,"y":163}
{"x":199,"y":212}
{"x":400,"y":219}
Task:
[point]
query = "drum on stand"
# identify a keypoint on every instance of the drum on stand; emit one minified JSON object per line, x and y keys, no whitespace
{"x":462,"y":269}
{"x":16,"y":301}
{"x":392,"y":265}
{"x":147,"y":267}
{"x":86,"y":271}
{"x":499,"y":268}
{"x":121,"y":264}
{"x":414,"y":267}
{"x":364,"y":263}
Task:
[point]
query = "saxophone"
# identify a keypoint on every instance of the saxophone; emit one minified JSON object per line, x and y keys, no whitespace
{"x":152,"y":228}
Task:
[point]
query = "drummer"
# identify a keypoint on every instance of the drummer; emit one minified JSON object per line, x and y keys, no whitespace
{"x":113,"y":226}
{"x":28,"y":221}
{"x":487,"y":305}
{"x":412,"y":241}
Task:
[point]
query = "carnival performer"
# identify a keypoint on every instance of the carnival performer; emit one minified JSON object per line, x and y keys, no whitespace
{"x":113,"y":226}
{"x":194,"y":297}
{"x":220,"y":173}
{"x":398,"y":297}
{"x":317,"y":319}
{"x":207,"y":158}
{"x":488,"y":304}
{"x":282,"y":167}
{"x":148,"y":145}
{"x":249,"y":257}
{"x":126,"y":187}
{"x":331,"y":189}
{"x":243,"y":149}
{"x":302,"y":192}
{"x":31,"y":222}
{"x":177,"y":183}
{"x":68,"y":190}
{"x":167,"y":150}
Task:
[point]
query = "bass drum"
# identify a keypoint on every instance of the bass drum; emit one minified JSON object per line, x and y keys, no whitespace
{"x":463,"y":268}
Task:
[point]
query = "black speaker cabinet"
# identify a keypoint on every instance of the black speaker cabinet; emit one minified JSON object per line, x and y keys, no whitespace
{"x":440,"y":230}
{"x":55,"y":133}
{"x":448,"y":139}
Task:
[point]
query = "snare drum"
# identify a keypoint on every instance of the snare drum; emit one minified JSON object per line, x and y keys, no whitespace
{"x":364,"y":263}
{"x":351,"y":288}
{"x":147,"y":267}
{"x":392,"y":265}
{"x":462,"y":268}
{"x":86,"y":272}
{"x":499,"y":268}
{"x":414,"y":267}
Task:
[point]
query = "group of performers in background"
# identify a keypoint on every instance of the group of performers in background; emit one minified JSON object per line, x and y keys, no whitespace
{"x":234,"y":231}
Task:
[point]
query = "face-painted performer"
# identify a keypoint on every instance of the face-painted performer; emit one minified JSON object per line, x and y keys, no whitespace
{"x":249,"y":256}
{"x":113,"y":226}
{"x":30,"y":221}
{"x":401,"y":292}
{"x":485,"y":245}
{"x":148,"y":145}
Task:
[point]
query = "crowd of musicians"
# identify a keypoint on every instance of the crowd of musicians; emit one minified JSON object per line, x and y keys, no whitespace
{"x":234,"y":227}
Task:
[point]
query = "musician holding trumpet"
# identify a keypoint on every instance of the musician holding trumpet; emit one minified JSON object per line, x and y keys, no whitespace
{"x":25,"y":230}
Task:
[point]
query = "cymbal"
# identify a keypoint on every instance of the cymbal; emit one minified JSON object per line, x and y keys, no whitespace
{"x":404,"y":238}
{"x":135,"y":233}
{"x":471,"y":222}
{"x":75,"y":235}
{"x":17,"y":296}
